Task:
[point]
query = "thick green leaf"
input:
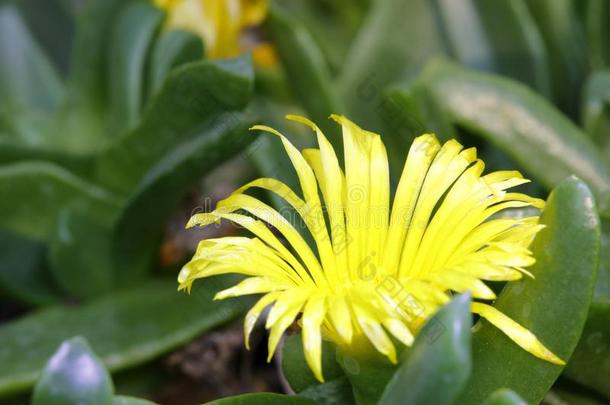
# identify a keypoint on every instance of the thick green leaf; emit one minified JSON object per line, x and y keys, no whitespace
{"x":307,"y":71}
{"x":297,"y":372}
{"x":393,"y":43}
{"x":263,"y":399}
{"x":80,"y":127}
{"x":123,"y":400}
{"x":80,"y":255}
{"x":89,"y":58}
{"x":438,"y":365}
{"x":406,"y":113}
{"x":334,"y":392}
{"x":130,"y":40}
{"x":33,"y":193}
{"x":124,"y":329}
{"x":589,"y":364}
{"x":564,"y":38}
{"x":602,"y":287}
{"x":13,"y":152}
{"x":333,"y":25}
{"x":524,"y":57}
{"x":504,"y":396}
{"x":367,"y":371}
{"x":139,"y":228}
{"x":477,"y":31}
{"x":597,"y":29}
{"x":172,"y":48}
{"x":531,"y":131}
{"x":23,"y":275}
{"x":553,"y":306}
{"x":74,"y":375}
{"x":193,"y":95}
{"x":29,"y":86}
{"x":52,"y":24}
{"x":27,"y":78}
{"x":596,"y":109}
{"x":572,"y":396}
{"x":410,"y":112}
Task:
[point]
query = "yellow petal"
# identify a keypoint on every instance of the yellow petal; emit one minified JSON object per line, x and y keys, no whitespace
{"x":357,"y":147}
{"x":283,"y":314}
{"x":399,"y":330}
{"x":371,"y":326}
{"x":448,"y":165}
{"x":422,"y":151}
{"x":251,"y":285}
{"x":253,"y":12}
{"x":254,"y":313}
{"x":313,"y":315}
{"x":284,"y":192}
{"x":274,"y":218}
{"x":484,"y":233}
{"x":341,"y":317}
{"x":462,"y":282}
{"x":332,"y":183}
{"x":259,"y":229}
{"x":488,"y":271}
{"x":313,"y":207}
{"x":523,"y":337}
{"x":379,"y":206}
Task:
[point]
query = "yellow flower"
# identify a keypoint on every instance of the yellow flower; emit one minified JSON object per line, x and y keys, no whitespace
{"x":381,"y":272}
{"x":221,"y":24}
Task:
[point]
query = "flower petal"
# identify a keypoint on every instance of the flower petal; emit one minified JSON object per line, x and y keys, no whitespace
{"x":254,"y":313}
{"x":313,"y":315}
{"x":275,"y":219}
{"x":422,"y":151}
{"x":448,"y":165}
{"x":283,"y":314}
{"x":340,"y":317}
{"x":313,"y":209}
{"x":523,"y":337}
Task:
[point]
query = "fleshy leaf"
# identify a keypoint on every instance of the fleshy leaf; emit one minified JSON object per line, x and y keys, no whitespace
{"x":263,"y":398}
{"x":438,"y":365}
{"x":193,"y":95}
{"x":130,"y":39}
{"x":74,"y":374}
{"x":124,"y":329}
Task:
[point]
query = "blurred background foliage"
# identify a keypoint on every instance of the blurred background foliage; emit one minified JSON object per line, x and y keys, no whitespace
{"x":114,"y":128}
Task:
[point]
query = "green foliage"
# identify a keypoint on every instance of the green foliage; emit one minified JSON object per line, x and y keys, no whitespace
{"x":125,"y":328}
{"x":504,"y":396}
{"x":22,"y":270}
{"x":78,"y":184}
{"x":438,"y":364}
{"x":588,"y":365}
{"x":478,"y":39}
{"x":172,"y":49}
{"x":35,"y":191}
{"x":305,"y":66}
{"x":263,"y":398}
{"x":131,"y":37}
{"x":74,"y":374}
